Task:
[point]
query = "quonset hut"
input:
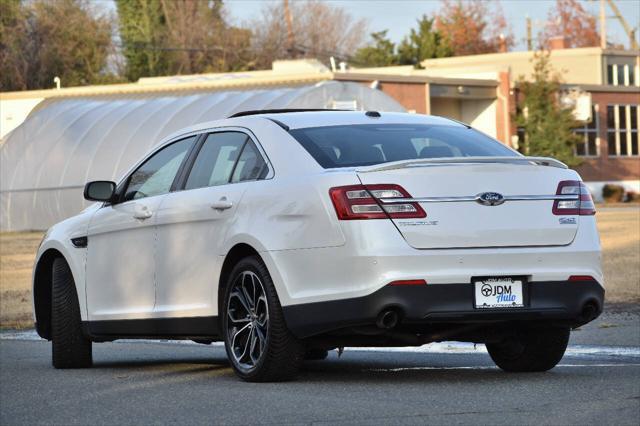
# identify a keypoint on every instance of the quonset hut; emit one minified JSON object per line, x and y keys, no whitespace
{"x":66,"y":141}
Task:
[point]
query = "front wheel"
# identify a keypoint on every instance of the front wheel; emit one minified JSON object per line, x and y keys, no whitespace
{"x":258,"y":343}
{"x":530,"y":350}
{"x":70,"y":347}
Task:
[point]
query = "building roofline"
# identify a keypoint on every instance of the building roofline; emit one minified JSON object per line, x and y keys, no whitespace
{"x":601,"y":88}
{"x":363,"y":76}
{"x":486,"y":57}
{"x":136,"y":88}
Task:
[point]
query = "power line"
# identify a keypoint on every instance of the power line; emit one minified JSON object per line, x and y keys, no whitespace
{"x":150,"y":46}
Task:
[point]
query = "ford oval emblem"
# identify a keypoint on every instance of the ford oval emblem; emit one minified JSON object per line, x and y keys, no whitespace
{"x":490,"y":199}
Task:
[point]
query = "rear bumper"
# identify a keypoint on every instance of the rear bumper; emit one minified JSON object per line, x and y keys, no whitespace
{"x":558,"y":302}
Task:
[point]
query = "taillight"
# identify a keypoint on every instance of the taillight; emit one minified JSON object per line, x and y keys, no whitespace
{"x":581,"y":278}
{"x":582,"y":205}
{"x":362,"y":202}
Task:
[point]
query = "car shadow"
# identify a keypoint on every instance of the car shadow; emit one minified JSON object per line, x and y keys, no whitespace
{"x":388,"y":369}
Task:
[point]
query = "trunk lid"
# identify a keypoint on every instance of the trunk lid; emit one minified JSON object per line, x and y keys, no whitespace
{"x":464,"y":222}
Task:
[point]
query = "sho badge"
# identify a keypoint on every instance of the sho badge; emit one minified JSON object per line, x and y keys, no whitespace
{"x":567,"y":221}
{"x":490,"y":199}
{"x":418,"y":223}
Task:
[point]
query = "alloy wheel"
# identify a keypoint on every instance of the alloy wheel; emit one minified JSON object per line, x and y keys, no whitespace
{"x":247,"y":320}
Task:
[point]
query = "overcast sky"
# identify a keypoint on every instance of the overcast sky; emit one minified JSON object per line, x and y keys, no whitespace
{"x":400,"y":15}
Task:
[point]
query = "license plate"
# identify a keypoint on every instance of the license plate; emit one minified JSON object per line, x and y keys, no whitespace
{"x":494,"y":293}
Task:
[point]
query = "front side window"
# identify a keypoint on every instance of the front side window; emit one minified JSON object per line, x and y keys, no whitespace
{"x":588,"y":146}
{"x":368,"y":144}
{"x":156,"y":175}
{"x":622,"y":130}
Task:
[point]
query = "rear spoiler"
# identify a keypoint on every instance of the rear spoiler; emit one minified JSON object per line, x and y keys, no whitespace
{"x":402,"y":164}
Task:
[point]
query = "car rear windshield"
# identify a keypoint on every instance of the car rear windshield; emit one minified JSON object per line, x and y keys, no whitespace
{"x":368,"y":144}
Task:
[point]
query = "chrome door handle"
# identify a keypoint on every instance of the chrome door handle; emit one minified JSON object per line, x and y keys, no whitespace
{"x":142,"y":213}
{"x":222,"y":204}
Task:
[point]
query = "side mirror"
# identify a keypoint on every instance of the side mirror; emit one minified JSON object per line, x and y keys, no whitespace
{"x":99,"y":190}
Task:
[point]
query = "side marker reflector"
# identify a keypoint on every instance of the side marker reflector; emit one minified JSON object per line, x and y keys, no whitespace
{"x":581,"y":278}
{"x":408,"y":282}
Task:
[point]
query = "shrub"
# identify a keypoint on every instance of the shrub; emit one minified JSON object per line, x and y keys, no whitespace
{"x":633,"y":197}
{"x":612,"y":193}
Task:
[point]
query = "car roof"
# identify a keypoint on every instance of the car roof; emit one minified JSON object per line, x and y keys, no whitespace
{"x":303,"y":119}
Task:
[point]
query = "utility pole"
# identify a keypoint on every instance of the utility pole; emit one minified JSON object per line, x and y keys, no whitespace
{"x":529,"y":37}
{"x":603,"y":26}
{"x":291,"y":48}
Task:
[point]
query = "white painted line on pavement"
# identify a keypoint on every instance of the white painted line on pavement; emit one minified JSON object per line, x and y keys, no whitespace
{"x":489,"y":367}
{"x":470,"y":348}
{"x":431,"y":348}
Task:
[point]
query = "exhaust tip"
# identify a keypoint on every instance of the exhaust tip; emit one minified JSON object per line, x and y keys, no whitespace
{"x":590,"y":310}
{"x":387,"y":319}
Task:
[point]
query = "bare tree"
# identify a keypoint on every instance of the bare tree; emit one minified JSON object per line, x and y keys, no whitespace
{"x":209,"y":43}
{"x":318,"y":30}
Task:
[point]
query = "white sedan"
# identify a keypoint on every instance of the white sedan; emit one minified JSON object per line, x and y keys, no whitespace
{"x":290,"y":233}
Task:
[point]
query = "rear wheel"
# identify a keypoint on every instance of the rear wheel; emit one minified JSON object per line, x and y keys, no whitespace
{"x":258,"y":343}
{"x":70,"y":348}
{"x":530,"y":350}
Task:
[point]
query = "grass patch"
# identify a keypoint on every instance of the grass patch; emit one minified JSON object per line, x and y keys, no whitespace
{"x":607,"y":325}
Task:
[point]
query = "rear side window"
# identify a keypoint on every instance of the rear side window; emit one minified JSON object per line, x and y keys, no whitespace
{"x":216,"y":159}
{"x":226,"y":157}
{"x":368,"y":144}
{"x":250,"y":165}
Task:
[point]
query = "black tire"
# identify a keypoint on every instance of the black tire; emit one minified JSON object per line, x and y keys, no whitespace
{"x":283,"y":354}
{"x":316,"y":354}
{"x":531,"y":350}
{"x":70,"y":348}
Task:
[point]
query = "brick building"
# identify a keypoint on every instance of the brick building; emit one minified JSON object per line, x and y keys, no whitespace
{"x":482,"y":91}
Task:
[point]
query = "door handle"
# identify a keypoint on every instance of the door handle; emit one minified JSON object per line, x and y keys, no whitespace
{"x":222,"y":204}
{"x":142,"y":213}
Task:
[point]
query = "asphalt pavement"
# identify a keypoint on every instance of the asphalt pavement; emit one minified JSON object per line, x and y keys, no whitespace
{"x":145,"y":382}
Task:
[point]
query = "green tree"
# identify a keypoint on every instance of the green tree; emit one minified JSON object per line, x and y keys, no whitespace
{"x":166,"y":37}
{"x":13,"y":36}
{"x":381,"y":53}
{"x":143,"y":33}
{"x":424,"y":43}
{"x":38,"y":43}
{"x":547,"y":125}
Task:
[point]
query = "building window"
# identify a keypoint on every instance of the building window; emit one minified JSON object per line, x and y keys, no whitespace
{"x":622,"y":130}
{"x":589,"y":145}
{"x":621,"y":75}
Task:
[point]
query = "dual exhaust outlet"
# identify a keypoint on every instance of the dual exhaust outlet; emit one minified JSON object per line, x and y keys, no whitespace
{"x":387,"y":319}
